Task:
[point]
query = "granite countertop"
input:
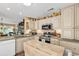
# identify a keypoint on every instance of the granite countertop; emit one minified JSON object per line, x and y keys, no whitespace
{"x":21,"y":36}
{"x":13,"y":37}
{"x":69,"y":40}
{"x":24,"y":36}
{"x":66,"y":39}
{"x":6,"y":38}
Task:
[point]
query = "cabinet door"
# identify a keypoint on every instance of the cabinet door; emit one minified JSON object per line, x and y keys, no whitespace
{"x":19,"y":44}
{"x":68,"y":33}
{"x":77,"y":34}
{"x":56,"y":22}
{"x":31,"y":24}
{"x":77,"y":16}
{"x":67,"y":16}
{"x":70,"y":45}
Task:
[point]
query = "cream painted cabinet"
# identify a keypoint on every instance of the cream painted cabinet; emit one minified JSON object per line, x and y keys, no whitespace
{"x":29,"y":24}
{"x":56,"y":22}
{"x":67,"y":17}
{"x":71,"y":45}
{"x":32,"y":24}
{"x":67,"y":22}
{"x":68,"y":33}
{"x":77,"y":21}
{"x":53,"y":20}
{"x":37,"y":24}
{"x":19,"y":44}
{"x":77,"y":16}
{"x":77,"y":34}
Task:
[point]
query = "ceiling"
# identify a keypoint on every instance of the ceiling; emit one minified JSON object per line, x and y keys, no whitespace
{"x":19,"y":10}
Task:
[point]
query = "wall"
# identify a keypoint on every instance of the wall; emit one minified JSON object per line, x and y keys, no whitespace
{"x":7,"y":20}
{"x":56,"y":21}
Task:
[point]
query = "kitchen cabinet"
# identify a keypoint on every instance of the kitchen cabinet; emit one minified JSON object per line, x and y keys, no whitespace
{"x":77,"y":22}
{"x":71,"y":45}
{"x":67,"y":17}
{"x":53,"y":20}
{"x":7,"y":48}
{"x":26,"y":25}
{"x":19,"y":43}
{"x":56,"y":22}
{"x":77,"y":16}
{"x":29,"y":24}
{"x":68,"y":33}
{"x":70,"y":22}
{"x":32,"y":24}
{"x":76,"y":34}
{"x":67,"y":22}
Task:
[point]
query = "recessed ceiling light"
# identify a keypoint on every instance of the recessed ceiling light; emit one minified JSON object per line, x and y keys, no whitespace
{"x":27,"y":4}
{"x":8,"y":9}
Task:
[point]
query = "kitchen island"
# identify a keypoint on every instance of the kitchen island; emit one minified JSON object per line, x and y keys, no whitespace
{"x":37,"y":48}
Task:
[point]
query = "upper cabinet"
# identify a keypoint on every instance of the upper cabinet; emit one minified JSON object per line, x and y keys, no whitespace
{"x":67,"y":22}
{"x":67,"y":17}
{"x":70,"y":22}
{"x":53,"y":20}
{"x":56,"y":22}
{"x":26,"y":25}
{"x":77,"y":16}
{"x":77,"y":21}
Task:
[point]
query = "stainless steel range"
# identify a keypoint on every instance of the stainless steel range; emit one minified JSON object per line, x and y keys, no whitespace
{"x":46,"y":36}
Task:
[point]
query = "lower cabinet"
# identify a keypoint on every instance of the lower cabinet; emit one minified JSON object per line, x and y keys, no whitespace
{"x":76,"y":34}
{"x":70,"y":34}
{"x":19,"y":43}
{"x":70,"y":45}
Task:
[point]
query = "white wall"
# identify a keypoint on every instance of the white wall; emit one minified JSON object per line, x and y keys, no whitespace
{"x":8,"y":20}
